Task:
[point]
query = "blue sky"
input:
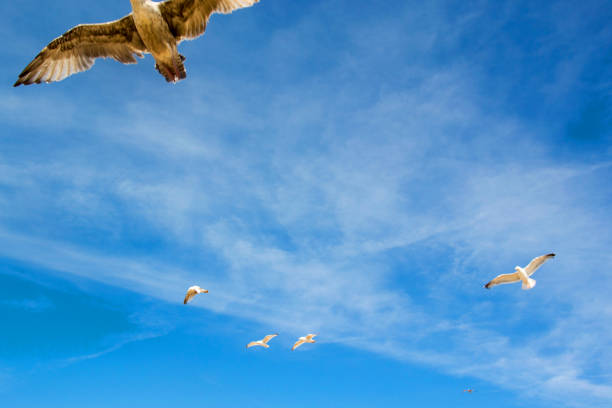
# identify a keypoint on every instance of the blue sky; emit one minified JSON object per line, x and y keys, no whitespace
{"x":335,"y":167}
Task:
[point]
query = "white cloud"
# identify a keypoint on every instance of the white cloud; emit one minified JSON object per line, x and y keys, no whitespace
{"x":117,"y":344}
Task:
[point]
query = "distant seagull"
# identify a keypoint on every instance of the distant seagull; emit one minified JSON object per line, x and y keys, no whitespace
{"x":263,"y":342}
{"x":191,"y":292}
{"x":521,"y":274}
{"x":469,"y":390}
{"x":306,"y":339}
{"x":152,"y":27}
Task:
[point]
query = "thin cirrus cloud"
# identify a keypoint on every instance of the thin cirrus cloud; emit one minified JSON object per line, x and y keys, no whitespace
{"x":314,"y":280}
{"x":340,"y":206}
{"x":33,"y":305}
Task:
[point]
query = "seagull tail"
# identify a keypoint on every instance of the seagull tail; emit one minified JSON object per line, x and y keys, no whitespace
{"x":173,"y":71}
{"x":529,"y":284}
{"x":179,"y":67}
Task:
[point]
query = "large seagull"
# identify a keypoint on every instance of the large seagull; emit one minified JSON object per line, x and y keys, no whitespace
{"x":152,"y":27}
{"x":521,"y":274}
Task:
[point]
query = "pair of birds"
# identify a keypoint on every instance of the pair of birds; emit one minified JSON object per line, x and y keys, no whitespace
{"x":309,"y":338}
{"x":152,"y":27}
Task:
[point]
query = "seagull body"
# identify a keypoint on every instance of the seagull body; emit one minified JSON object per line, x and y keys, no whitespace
{"x":521,"y":274}
{"x":191,"y":292}
{"x":153,"y":27}
{"x":306,"y":339}
{"x":263,"y":342}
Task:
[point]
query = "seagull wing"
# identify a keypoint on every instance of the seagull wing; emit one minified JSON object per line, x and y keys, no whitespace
{"x":537,"y":262}
{"x":77,"y":49}
{"x":253,"y":343}
{"x":297,"y":344}
{"x":187,"y":19}
{"x":504,"y":278}
{"x":311,"y":336}
{"x":268,"y":338}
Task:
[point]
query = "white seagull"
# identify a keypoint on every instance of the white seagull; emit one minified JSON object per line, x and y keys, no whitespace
{"x":152,"y":27}
{"x":192,"y":291}
{"x":521,"y":274}
{"x":306,"y":339}
{"x":263,"y":342}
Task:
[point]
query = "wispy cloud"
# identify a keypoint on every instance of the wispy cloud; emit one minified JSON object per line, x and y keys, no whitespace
{"x":34,"y":305}
{"x":118,"y":343}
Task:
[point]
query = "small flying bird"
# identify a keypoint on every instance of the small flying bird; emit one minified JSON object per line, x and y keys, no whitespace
{"x":152,"y":27}
{"x":469,"y":390}
{"x":192,"y":291}
{"x":263,"y":342}
{"x":306,"y":339}
{"x":521,"y":274}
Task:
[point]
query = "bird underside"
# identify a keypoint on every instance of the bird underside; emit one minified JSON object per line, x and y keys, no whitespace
{"x":166,"y":22}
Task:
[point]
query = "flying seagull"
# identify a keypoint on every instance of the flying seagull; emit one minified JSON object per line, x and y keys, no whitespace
{"x":191,"y":292}
{"x":521,"y":274}
{"x":263,"y":342}
{"x":152,"y":27}
{"x":306,"y":339}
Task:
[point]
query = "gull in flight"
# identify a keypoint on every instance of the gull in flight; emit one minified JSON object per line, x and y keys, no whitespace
{"x":469,"y":390}
{"x":263,"y":342}
{"x":191,"y":292}
{"x":306,"y":339}
{"x":521,"y":274}
{"x":152,"y":27}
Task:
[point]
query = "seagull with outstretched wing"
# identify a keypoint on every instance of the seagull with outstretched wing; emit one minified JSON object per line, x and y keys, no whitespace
{"x":306,"y":339}
{"x":521,"y":274}
{"x":191,"y":292}
{"x":263,"y":342}
{"x":152,"y":27}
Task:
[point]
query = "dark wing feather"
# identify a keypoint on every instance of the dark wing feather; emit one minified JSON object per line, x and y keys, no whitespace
{"x":77,"y":49}
{"x":188,"y":18}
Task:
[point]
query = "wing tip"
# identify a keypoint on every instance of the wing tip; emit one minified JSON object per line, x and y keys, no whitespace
{"x":22,"y":80}
{"x":487,"y":285}
{"x":552,"y":254}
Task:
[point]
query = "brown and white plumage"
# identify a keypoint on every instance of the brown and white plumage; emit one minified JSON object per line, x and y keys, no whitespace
{"x":187,"y":19}
{"x":306,"y":339}
{"x":152,"y":27}
{"x":76,"y":50}
{"x":263,"y":342}
{"x":521,"y":274}
{"x":192,"y":291}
